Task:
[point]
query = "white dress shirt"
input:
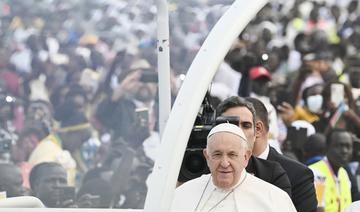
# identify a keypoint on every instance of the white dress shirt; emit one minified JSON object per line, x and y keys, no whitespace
{"x":265,"y":154}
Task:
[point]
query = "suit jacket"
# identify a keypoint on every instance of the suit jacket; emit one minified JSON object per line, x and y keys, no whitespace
{"x":270,"y":172}
{"x":252,"y":194}
{"x":301,"y":179}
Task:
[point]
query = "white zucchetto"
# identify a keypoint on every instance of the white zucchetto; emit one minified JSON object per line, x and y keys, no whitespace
{"x":227,"y":127}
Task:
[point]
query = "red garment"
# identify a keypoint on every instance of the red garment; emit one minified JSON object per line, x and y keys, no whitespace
{"x":12,"y":82}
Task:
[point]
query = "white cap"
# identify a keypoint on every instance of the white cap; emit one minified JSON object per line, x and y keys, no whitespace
{"x":227,"y":127}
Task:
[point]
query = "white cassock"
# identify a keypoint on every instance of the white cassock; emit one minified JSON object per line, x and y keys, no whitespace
{"x":249,"y":194}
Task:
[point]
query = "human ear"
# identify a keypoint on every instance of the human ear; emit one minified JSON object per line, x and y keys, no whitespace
{"x":247,"y":156}
{"x":259,"y":128}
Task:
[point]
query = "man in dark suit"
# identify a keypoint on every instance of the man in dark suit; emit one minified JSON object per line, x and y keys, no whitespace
{"x":268,"y":171}
{"x":301,"y":177}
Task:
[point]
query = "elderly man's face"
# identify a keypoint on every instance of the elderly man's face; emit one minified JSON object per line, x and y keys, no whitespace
{"x":245,"y":123}
{"x":226,"y":158}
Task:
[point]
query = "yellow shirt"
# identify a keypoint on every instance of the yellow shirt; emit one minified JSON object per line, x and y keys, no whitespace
{"x":50,"y":150}
{"x":302,"y":114}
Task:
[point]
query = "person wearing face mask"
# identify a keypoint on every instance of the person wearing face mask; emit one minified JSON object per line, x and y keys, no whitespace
{"x":338,"y":109}
{"x":313,"y":101}
{"x":310,"y":110}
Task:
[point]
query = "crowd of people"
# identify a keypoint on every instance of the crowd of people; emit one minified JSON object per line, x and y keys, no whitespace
{"x":79,"y":100}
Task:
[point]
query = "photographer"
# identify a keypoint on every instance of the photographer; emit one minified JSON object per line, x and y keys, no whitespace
{"x":119,"y":109}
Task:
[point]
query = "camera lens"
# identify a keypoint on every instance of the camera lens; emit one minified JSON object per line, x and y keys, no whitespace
{"x":195,"y":163}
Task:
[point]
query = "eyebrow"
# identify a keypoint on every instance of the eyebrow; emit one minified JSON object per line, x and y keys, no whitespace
{"x":245,"y":122}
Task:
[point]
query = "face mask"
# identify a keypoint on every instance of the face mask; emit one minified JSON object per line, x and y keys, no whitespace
{"x":314,"y":103}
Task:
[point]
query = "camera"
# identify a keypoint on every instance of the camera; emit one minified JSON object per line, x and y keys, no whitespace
{"x":142,"y":116}
{"x":66,"y":193}
{"x":194,"y":163}
{"x":149,"y":76}
{"x":227,"y":119}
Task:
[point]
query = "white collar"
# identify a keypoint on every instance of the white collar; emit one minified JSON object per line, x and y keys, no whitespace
{"x":210,"y":189}
{"x":242,"y":177}
{"x":264,"y":155}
